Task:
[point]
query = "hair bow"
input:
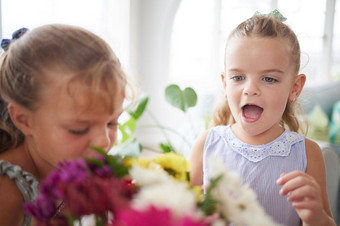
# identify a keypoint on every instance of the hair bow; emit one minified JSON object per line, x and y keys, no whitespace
{"x":275,"y":13}
{"x":5,"y":43}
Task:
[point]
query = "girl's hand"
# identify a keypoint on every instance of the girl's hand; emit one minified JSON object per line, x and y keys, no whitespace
{"x":305,"y":195}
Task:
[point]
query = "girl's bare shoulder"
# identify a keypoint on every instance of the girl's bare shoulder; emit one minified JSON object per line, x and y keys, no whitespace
{"x":313,"y":150}
{"x":199,"y":143}
{"x":315,"y":159}
{"x":196,"y":159}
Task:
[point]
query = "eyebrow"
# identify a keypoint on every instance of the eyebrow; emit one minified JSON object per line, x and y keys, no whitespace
{"x":264,"y":71}
{"x":86,"y":121}
{"x":273,"y":70}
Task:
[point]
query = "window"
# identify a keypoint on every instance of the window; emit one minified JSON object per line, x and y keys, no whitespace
{"x":106,"y":18}
{"x":336,"y":44}
{"x":201,"y":28}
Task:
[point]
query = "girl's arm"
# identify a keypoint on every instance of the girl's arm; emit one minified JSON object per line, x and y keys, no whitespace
{"x":11,"y":203}
{"x":196,"y":160}
{"x":308,"y":191}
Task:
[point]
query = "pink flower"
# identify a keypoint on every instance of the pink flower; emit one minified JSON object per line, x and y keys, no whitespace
{"x":153,"y":216}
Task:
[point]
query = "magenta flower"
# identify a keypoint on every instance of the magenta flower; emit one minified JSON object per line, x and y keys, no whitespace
{"x":96,"y":196}
{"x":46,"y":204}
{"x":85,"y":187}
{"x":153,"y":216}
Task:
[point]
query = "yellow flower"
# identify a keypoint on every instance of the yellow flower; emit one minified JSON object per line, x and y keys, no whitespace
{"x":175,"y":164}
{"x":143,"y":162}
{"x":198,"y":193}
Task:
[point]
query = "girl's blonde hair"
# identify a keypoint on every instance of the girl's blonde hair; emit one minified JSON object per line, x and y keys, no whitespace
{"x":25,"y":70}
{"x":264,"y":27}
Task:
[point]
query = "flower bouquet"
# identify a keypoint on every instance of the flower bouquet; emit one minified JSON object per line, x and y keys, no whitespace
{"x":130,"y":191}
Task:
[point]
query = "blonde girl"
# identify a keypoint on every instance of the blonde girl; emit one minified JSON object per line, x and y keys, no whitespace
{"x":62,"y":89}
{"x":255,"y":130}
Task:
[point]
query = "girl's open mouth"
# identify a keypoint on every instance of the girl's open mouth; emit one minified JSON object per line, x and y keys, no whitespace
{"x":251,"y":113}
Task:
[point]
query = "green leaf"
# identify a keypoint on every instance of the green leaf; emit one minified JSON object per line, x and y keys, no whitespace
{"x":117,"y":166}
{"x":99,"y":150}
{"x":166,"y":147}
{"x":127,"y":130}
{"x":100,"y":221}
{"x":180,"y":99}
{"x":95,"y":162}
{"x":142,"y":103}
{"x":190,"y":97}
{"x":115,"y":162}
{"x":173,"y":95}
{"x":208,"y":205}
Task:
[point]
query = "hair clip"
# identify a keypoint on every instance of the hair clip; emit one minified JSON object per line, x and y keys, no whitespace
{"x":275,"y":13}
{"x":5,"y":43}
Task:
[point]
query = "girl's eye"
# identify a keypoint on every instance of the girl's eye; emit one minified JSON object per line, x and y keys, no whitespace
{"x":79,"y":132}
{"x":238,"y":78}
{"x":269,"y":80}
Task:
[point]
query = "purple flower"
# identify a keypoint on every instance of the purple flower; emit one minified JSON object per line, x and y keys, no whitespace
{"x":43,"y":208}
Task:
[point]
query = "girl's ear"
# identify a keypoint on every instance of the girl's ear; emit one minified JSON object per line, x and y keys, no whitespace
{"x":297,"y":87}
{"x":223,"y":78}
{"x":21,"y":117}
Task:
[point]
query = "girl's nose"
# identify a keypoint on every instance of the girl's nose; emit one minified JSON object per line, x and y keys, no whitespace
{"x":102,"y":141}
{"x":251,"y":89}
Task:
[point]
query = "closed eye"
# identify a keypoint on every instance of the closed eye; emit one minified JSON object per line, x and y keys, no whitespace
{"x":79,"y":132}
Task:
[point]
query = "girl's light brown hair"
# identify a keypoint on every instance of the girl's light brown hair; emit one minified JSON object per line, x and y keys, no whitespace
{"x":264,"y":27}
{"x":25,"y":67}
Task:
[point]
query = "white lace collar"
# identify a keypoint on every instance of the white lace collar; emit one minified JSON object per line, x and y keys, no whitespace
{"x":281,"y":146}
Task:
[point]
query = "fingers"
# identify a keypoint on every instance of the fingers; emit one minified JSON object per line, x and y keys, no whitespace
{"x":301,"y":193}
{"x":304,"y":193}
{"x":301,"y":189}
{"x":299,"y":182}
{"x":289,"y":176}
{"x":307,"y":204}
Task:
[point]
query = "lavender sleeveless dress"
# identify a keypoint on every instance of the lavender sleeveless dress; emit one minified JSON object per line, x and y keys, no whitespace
{"x":260,"y":166}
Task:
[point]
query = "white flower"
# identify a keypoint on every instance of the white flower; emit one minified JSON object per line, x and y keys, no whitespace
{"x":145,"y":177}
{"x":237,"y":202}
{"x":160,"y":190}
{"x":173,"y":196}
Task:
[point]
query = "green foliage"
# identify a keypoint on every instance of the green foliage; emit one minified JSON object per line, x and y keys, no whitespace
{"x":166,"y":147}
{"x":180,"y":99}
{"x":116,"y":162}
{"x":127,"y":129}
{"x":142,"y":103}
{"x":208,"y":205}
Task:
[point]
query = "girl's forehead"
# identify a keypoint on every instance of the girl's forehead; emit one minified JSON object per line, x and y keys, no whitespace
{"x":253,"y":52}
{"x":261,"y":42}
{"x":87,"y":97}
{"x":259,"y":45}
{"x":81,"y":96}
